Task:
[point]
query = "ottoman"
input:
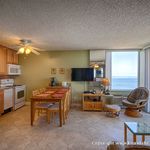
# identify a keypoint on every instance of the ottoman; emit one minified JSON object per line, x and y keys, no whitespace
{"x":112,"y":110}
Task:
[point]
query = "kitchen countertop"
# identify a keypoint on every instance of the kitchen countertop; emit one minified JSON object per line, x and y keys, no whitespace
{"x":3,"y":88}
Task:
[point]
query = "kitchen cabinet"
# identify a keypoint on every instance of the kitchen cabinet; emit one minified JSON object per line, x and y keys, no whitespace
{"x":1,"y":101}
{"x":15,"y":56}
{"x":7,"y":56}
{"x":3,"y":66}
{"x":12,"y":57}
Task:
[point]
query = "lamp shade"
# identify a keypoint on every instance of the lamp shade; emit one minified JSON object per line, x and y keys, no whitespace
{"x":27,"y":51}
{"x":21,"y":50}
{"x":105,"y":82}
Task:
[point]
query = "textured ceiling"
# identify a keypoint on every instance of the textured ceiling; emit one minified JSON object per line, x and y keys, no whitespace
{"x":76,"y":24}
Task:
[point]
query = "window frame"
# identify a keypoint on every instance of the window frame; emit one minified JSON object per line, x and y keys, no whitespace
{"x":138,"y":69}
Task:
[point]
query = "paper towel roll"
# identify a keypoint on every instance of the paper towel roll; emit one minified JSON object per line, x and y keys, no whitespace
{"x":64,"y":84}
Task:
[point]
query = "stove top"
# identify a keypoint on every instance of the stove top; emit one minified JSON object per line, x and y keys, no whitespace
{"x":8,"y":83}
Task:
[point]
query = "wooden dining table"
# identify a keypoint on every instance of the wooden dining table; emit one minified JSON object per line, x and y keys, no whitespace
{"x":52,"y":96}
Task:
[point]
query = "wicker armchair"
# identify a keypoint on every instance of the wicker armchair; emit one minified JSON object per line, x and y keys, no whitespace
{"x":135,"y":101}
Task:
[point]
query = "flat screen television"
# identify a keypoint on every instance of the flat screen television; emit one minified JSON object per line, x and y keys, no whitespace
{"x":82,"y":74}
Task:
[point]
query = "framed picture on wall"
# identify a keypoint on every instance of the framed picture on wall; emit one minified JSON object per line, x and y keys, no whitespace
{"x":61,"y":71}
{"x":53,"y":70}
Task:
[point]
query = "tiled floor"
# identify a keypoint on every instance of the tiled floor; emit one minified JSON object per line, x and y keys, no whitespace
{"x":83,"y":131}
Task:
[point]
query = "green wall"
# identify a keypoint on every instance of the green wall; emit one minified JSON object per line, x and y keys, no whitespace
{"x":36,"y":70}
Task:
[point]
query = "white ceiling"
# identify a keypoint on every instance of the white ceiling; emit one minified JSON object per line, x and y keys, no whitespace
{"x":76,"y":24}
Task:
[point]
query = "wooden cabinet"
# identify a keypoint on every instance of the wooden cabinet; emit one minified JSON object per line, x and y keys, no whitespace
{"x":1,"y":101}
{"x":15,"y":56}
{"x":7,"y":56}
{"x":92,"y":101}
{"x":3,"y":66}
{"x":12,"y":57}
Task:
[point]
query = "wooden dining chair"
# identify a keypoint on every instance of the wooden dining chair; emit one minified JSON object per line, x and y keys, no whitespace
{"x":41,"y":107}
{"x":53,"y":110}
{"x":42,"y":90}
{"x":68,"y":103}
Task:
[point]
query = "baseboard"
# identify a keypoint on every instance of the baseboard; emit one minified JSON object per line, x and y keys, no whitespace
{"x":76,"y":105}
{"x":27,"y":103}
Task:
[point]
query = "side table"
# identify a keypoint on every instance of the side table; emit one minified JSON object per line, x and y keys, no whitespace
{"x":137,"y":128}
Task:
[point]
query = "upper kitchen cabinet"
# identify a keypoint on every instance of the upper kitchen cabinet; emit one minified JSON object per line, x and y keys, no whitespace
{"x":97,"y":61}
{"x":12,"y":57}
{"x":3,"y":55}
{"x":9,"y":56}
{"x":15,"y":56}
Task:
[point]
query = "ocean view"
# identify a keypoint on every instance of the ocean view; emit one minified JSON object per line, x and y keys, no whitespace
{"x":124,"y":83}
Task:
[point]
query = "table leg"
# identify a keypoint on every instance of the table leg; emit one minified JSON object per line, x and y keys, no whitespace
{"x":60,"y":113}
{"x":63,"y":114}
{"x":32,"y":112}
{"x":125,"y":133}
{"x":143,"y":138}
{"x":134,"y":138}
{"x":83,"y":102}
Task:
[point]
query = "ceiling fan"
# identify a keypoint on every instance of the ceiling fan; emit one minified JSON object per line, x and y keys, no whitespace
{"x":26,"y":48}
{"x":96,"y":64}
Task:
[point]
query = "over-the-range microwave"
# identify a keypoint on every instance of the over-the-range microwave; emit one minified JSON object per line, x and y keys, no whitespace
{"x":14,"y":69}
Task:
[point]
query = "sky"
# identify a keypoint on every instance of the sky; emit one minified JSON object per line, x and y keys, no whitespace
{"x":125,"y":64}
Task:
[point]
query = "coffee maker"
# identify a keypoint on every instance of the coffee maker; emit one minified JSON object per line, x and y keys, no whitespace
{"x":53,"y":81}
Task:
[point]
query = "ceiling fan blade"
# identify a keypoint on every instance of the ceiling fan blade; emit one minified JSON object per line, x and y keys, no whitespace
{"x":39,"y":49}
{"x":20,"y":44}
{"x":34,"y":51}
{"x":35,"y":48}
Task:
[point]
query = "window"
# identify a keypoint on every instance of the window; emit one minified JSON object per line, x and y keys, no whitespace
{"x":124,"y":70}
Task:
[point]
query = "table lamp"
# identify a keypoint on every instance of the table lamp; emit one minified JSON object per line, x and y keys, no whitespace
{"x":105,"y":82}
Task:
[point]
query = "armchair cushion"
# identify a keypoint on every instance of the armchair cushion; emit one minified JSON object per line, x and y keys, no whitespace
{"x":137,"y":94}
{"x":129,"y":104}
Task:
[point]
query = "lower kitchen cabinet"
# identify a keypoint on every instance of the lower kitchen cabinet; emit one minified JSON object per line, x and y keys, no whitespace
{"x":1,"y":101}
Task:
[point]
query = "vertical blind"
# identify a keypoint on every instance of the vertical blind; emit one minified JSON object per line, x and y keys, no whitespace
{"x":147,"y":75}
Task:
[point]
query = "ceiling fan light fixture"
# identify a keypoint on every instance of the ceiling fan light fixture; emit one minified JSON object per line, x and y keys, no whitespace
{"x":21,"y":50}
{"x":27,"y":51}
{"x":96,"y":66}
{"x":26,"y":48}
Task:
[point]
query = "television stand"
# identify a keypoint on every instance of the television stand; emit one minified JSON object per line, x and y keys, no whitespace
{"x":92,"y":101}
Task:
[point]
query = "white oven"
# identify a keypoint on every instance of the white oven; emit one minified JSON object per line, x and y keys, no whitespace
{"x":20,"y":94}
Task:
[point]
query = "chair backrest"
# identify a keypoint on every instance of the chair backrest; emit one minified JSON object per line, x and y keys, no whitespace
{"x":39,"y":91}
{"x":35,"y":92}
{"x":42,"y":90}
{"x":140,"y":93}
